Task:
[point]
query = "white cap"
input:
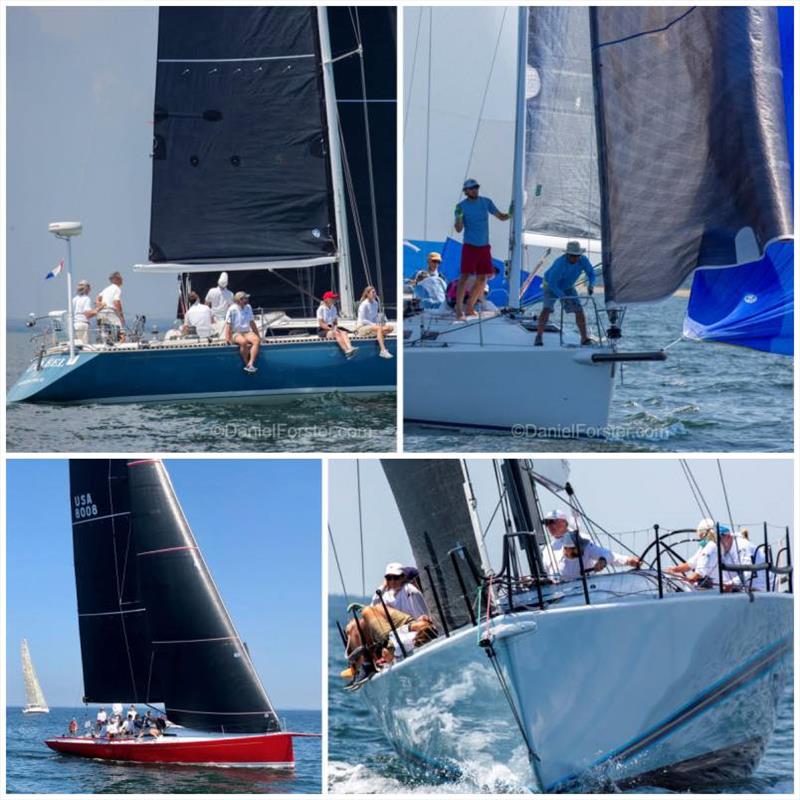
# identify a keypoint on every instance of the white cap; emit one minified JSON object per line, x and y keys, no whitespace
{"x":556,"y":513}
{"x":706,"y":524}
{"x":223,"y":280}
{"x":394,"y":568}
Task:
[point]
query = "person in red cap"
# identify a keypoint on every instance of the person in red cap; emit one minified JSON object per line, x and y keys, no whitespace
{"x":328,"y":322}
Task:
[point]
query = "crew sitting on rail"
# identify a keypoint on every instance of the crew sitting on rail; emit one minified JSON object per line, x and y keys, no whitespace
{"x":399,"y":592}
{"x":328,"y":324}
{"x":198,"y":320}
{"x":241,"y":329}
{"x":368,"y":322}
{"x":567,"y":565}
{"x":379,"y":646}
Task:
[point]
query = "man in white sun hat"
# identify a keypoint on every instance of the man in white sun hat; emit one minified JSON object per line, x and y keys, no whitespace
{"x":400,"y":593}
{"x":559,"y":284}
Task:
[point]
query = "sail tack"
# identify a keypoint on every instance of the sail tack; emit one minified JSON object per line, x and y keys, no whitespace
{"x":34,"y":695}
{"x":562,"y":197}
{"x":240,"y":171}
{"x":433,"y":506}
{"x":693,"y":157}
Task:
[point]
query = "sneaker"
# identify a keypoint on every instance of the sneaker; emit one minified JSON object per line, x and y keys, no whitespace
{"x":250,"y":369}
{"x":385,"y":354}
{"x":351,"y":352}
{"x":538,"y":341}
{"x":588,"y":342}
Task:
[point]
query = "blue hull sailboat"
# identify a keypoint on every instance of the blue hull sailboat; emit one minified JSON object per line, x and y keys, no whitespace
{"x":251,"y":177}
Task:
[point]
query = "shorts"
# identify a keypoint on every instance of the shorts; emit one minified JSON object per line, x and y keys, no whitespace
{"x":570,"y":306}
{"x":367,"y":329}
{"x":476,"y":260}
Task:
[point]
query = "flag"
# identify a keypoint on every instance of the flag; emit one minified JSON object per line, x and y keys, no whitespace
{"x":56,"y":271}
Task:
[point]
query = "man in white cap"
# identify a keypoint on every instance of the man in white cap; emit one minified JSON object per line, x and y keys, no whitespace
{"x":594,"y":557}
{"x":82,"y":311}
{"x":400,"y":593}
{"x":241,"y":329}
{"x":559,"y":284}
{"x":734,"y":551}
{"x":472,"y":217}
{"x":219,"y":298}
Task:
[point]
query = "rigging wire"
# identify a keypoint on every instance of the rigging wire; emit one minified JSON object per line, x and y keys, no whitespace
{"x":725,"y":494}
{"x":413,"y":72}
{"x":705,"y":509}
{"x":338,"y":565}
{"x":428,"y":128}
{"x":361,"y":529}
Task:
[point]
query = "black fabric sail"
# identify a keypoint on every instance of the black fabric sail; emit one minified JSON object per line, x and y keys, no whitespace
{"x":113,"y":623}
{"x":693,"y":156}
{"x":433,"y":506}
{"x":208,"y":678}
{"x":240,"y":140}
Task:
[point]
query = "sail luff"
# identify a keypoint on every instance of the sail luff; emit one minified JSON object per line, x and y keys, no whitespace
{"x":33,"y":689}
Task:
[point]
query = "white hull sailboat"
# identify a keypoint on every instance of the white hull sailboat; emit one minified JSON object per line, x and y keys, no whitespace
{"x":601,"y":134}
{"x":34,"y":696}
{"x":615,"y":678}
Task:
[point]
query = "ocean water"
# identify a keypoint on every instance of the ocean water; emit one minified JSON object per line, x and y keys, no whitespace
{"x":329,"y":423}
{"x":361,"y":761}
{"x":705,"y":397}
{"x":32,"y":768}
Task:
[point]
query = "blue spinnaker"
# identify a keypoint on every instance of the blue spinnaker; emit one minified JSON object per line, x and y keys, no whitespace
{"x":752,"y":305}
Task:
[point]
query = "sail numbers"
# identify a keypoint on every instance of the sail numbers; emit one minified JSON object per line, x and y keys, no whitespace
{"x":83,"y":507}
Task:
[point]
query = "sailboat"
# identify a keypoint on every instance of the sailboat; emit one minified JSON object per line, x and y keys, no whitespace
{"x":154,"y":628}
{"x":656,"y":172}
{"x":34,"y":696}
{"x":628,"y":675}
{"x":252,"y":176}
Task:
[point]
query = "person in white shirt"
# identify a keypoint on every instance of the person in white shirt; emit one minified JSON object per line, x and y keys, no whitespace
{"x":328,"y":322}
{"x":241,"y":329}
{"x":434,"y":259}
{"x":219,"y":298}
{"x":110,"y":316}
{"x":400,"y":593}
{"x":594,"y":557}
{"x":198,"y":319}
{"x":735,"y":551}
{"x":368,"y":322}
{"x":707,"y":534}
{"x":102,"y":718}
{"x":82,"y":311}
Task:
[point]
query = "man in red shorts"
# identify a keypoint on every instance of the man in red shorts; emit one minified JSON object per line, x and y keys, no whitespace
{"x":472,"y":217}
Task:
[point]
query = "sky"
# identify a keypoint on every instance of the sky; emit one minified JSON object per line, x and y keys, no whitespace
{"x":79,"y":90}
{"x":620,"y":494}
{"x":257,"y":523}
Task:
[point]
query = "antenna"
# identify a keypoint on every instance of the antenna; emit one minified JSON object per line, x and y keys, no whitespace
{"x":65,"y":231}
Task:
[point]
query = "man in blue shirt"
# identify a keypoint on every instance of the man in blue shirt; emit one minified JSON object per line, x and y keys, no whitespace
{"x":559,"y":284}
{"x":472,"y":217}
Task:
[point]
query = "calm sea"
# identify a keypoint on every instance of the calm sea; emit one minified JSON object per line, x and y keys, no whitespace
{"x":361,"y":761}
{"x":705,"y":397}
{"x":32,"y":768}
{"x":330,"y":423}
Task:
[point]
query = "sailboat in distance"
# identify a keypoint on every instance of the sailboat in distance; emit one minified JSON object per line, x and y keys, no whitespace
{"x":36,"y":704}
{"x":154,"y":628}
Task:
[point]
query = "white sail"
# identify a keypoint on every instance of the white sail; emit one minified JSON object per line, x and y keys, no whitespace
{"x":33,"y":690}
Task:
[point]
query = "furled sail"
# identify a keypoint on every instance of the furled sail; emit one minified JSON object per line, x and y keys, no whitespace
{"x":240,"y":171}
{"x":33,"y":690}
{"x":562,"y":197}
{"x":692,"y":142}
{"x":208,"y":678}
{"x":112,"y":619}
{"x":432,"y":502}
{"x":753,"y":305}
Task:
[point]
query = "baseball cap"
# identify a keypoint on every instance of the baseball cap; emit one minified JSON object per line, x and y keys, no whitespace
{"x":330,"y":296}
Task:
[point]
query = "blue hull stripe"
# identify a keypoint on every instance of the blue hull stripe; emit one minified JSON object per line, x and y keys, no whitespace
{"x":751,"y":671}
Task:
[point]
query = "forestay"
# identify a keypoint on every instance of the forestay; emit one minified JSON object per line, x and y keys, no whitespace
{"x":692,"y":154}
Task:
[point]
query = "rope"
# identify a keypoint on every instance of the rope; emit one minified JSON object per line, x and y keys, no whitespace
{"x":361,"y":529}
{"x":338,"y":565}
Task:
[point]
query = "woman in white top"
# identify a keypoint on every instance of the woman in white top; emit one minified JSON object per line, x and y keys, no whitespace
{"x":241,"y":329}
{"x":328,"y":322}
{"x":82,"y":311}
{"x":368,"y":324}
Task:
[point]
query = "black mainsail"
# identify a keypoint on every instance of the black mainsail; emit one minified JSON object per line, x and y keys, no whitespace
{"x":153,"y":625}
{"x":431,"y":498}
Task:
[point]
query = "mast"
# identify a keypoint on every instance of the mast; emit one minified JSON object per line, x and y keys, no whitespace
{"x":472,"y":505}
{"x":518,"y":194}
{"x":524,"y":504}
{"x":337,"y":173}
